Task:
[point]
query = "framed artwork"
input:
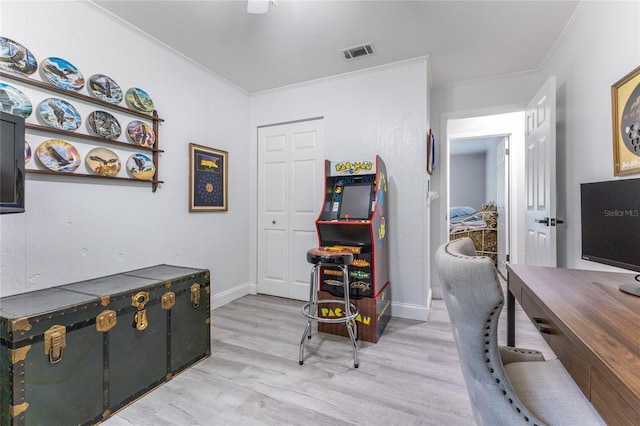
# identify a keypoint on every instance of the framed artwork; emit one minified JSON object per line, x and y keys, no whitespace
{"x":625,"y":99}
{"x":208,"y":187}
{"x":431,"y":152}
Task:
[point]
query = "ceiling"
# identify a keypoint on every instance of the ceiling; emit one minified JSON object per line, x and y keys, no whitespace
{"x":480,"y":145}
{"x":298,"y":41}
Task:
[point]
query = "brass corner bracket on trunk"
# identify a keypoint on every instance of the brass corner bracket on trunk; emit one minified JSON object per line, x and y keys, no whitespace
{"x":20,"y":354}
{"x":19,"y":324}
{"x":16,"y":410}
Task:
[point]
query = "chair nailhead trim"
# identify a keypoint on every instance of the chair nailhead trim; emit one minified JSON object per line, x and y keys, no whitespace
{"x":488,"y":360}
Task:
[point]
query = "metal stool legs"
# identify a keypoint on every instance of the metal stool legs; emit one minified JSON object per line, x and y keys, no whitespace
{"x":310,"y":311}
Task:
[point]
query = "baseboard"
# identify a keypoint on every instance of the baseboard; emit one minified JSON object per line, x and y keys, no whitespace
{"x":399,"y":310}
{"x":228,"y":296}
{"x":409,"y":311}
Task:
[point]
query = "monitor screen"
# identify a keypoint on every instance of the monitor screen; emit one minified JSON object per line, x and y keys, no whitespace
{"x":356,"y":201}
{"x":611,"y":223}
{"x":12,"y":152}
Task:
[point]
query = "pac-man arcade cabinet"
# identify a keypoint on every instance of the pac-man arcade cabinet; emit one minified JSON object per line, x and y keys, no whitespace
{"x":354,"y":216}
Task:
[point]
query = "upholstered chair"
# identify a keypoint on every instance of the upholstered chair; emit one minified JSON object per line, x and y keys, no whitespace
{"x":506,"y":386}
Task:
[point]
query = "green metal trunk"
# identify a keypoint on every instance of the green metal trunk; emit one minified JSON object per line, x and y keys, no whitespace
{"x":77,"y":353}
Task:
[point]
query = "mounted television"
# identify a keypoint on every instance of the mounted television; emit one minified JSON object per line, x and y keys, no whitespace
{"x":11,"y":163}
{"x":356,"y":201}
{"x":611,"y":225}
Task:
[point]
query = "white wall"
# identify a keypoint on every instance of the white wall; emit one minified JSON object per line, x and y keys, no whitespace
{"x":380,"y":111}
{"x":468,"y":180}
{"x":76,"y":229}
{"x":601,"y":48}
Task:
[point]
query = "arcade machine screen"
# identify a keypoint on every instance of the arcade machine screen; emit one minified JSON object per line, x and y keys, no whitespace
{"x":356,"y":201}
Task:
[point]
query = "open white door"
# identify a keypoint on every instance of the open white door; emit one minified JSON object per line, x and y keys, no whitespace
{"x":540,"y":172}
{"x":502,"y":201}
{"x":290,"y":173}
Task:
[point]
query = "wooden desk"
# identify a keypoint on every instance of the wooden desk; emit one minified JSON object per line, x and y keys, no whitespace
{"x":591,"y":326}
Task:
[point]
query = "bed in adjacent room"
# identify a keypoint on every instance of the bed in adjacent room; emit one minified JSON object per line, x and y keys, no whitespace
{"x":479,"y":225}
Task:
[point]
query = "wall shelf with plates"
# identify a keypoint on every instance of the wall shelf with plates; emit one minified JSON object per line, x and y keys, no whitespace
{"x":153,"y":151}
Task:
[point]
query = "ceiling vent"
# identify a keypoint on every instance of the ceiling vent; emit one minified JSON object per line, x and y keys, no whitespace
{"x":360,"y":51}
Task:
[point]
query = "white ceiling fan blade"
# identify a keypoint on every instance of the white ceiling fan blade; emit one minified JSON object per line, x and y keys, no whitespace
{"x":257,"y":6}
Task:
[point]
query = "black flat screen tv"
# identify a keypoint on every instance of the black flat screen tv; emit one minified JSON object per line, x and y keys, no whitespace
{"x":611,"y":224}
{"x":11,"y":163}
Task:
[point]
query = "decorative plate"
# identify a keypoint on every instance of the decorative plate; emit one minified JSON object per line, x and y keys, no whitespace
{"x":27,"y":152}
{"x":139,"y":100}
{"x":14,"y":101}
{"x":630,"y":124}
{"x":59,"y":114}
{"x":104,"y":124}
{"x":62,"y":73}
{"x":141,"y":133}
{"x":58,"y":155}
{"x":141,"y":167}
{"x":105,"y":88}
{"x":103,"y":161}
{"x":14,"y":57}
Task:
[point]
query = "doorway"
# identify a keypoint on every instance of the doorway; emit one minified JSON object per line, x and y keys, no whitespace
{"x":484,"y":161}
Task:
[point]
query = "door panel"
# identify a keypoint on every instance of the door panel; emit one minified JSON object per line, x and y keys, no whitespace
{"x":276,"y":192}
{"x":540,"y":152}
{"x":290,"y":159}
{"x":302,"y":241}
{"x":276,"y":248}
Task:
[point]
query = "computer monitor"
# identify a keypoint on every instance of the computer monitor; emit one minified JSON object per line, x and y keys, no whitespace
{"x":11,"y":163}
{"x":611,"y":225}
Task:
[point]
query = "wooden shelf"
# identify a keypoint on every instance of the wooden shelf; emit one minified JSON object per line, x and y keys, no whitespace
{"x":84,"y":175}
{"x":155,"y":151}
{"x":67,"y":133}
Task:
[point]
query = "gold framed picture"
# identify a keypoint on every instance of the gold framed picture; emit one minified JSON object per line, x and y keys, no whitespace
{"x":208,"y":187}
{"x":625,"y":99}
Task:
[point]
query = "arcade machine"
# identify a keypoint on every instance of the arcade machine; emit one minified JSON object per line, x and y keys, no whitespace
{"x":354,"y":216}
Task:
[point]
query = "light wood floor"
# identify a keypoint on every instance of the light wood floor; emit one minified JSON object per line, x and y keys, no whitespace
{"x":410,"y":377}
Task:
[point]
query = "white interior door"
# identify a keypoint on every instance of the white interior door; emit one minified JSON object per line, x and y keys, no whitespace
{"x":502,"y":201}
{"x":290,"y":173}
{"x":540,"y":171}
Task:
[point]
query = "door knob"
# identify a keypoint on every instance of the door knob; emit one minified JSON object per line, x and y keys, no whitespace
{"x":544,"y":221}
{"x":273,"y":222}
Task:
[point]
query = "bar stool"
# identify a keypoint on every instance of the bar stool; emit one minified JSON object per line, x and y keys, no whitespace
{"x":341,"y":258}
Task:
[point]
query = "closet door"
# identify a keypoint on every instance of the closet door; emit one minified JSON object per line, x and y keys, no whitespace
{"x":290,"y":173}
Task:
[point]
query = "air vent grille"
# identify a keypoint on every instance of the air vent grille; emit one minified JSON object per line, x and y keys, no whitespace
{"x":360,"y":51}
